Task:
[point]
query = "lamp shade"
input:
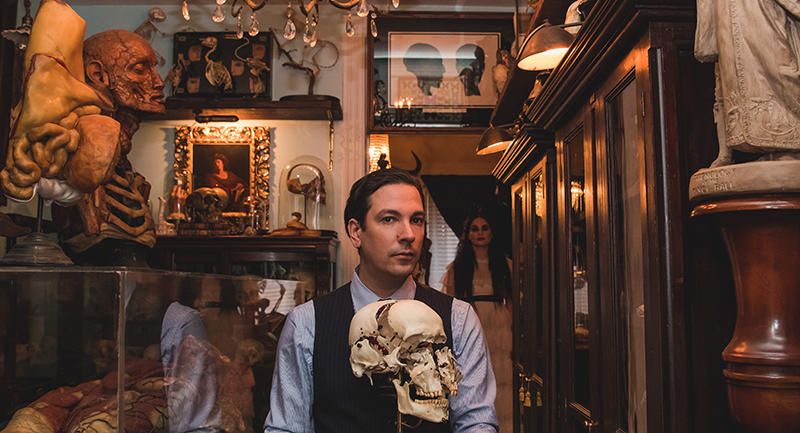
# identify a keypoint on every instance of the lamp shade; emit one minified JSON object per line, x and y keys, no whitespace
{"x":494,"y":139}
{"x":544,"y":48}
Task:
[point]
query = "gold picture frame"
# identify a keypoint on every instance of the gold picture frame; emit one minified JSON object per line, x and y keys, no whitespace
{"x":241,"y":151}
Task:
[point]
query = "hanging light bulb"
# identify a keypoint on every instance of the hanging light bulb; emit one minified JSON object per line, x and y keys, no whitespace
{"x":219,"y":14}
{"x":395,"y":3}
{"x":363,"y":9}
{"x":373,"y":26}
{"x":220,"y":2}
{"x":349,"y":30}
{"x":239,"y":27}
{"x":253,"y":29}
{"x":185,"y":10}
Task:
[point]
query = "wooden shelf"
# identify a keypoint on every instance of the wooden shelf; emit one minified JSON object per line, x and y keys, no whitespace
{"x":250,"y":108}
{"x":455,"y":130}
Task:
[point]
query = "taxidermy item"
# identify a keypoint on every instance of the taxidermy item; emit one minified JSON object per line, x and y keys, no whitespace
{"x":216,"y":73}
{"x":57,"y":126}
{"x":148,"y":28}
{"x":313,"y":190}
{"x":256,"y":68}
{"x":177,"y":72}
{"x":501,"y":69}
{"x":406,"y":339}
{"x":311,"y":59}
{"x":20,"y":35}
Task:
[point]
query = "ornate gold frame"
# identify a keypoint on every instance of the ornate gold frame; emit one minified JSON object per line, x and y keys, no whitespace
{"x":256,"y":136}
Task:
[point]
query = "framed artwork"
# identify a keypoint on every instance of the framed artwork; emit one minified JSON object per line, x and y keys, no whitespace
{"x":437,"y":71}
{"x":442,"y":70}
{"x":235,"y":159}
{"x":218,"y":64}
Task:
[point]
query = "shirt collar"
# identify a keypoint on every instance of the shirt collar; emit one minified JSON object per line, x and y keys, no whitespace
{"x":362,"y":295}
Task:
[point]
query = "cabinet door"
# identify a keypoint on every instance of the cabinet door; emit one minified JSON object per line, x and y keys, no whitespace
{"x":623,"y":252}
{"x":531,"y":313}
{"x":579,"y":377}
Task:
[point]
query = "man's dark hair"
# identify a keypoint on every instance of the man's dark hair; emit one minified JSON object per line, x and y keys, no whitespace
{"x":358,"y":203}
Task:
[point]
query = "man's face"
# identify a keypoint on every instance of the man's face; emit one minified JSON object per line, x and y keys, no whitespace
{"x":138,"y":85}
{"x":390,"y":244}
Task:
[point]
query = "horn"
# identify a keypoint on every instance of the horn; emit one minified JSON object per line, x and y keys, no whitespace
{"x":417,"y":168}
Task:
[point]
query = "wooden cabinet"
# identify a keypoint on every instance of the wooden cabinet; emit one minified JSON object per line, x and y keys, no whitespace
{"x":620,"y":309}
{"x":308,"y":259}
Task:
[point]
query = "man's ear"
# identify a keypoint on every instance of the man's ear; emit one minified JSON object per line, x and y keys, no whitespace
{"x":96,"y":75}
{"x":354,"y":232}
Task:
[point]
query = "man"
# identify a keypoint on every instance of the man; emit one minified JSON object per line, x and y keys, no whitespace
{"x":313,"y":387}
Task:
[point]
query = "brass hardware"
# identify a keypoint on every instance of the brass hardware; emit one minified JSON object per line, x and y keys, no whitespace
{"x":521,"y":392}
{"x":527,"y":402}
{"x":590,"y":425}
{"x":539,"y":399}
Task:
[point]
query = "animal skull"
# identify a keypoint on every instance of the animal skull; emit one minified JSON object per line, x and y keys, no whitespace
{"x":406,"y":339}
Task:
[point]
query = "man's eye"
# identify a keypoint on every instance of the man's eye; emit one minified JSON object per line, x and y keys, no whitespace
{"x":418,"y":220}
{"x":387,"y":219}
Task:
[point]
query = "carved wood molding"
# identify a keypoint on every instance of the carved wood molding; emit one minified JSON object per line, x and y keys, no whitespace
{"x":518,"y":155}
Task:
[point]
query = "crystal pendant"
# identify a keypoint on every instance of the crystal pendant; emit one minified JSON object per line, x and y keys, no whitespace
{"x":185,"y":10}
{"x":239,"y":27}
{"x":308,"y":32}
{"x":373,"y":26}
{"x":289,"y":30}
{"x":253,"y":29}
{"x":220,"y":2}
{"x":219,"y":14}
{"x":349,"y":30}
{"x":363,"y":9}
{"x":314,"y":19}
{"x":395,"y":3}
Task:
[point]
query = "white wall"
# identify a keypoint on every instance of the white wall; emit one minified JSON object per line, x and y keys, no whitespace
{"x":153,"y":145}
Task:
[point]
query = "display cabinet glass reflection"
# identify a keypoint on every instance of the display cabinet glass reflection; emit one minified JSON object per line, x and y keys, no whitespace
{"x":181,"y":350}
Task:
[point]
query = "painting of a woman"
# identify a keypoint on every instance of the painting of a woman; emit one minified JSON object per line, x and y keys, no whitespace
{"x":220,"y":176}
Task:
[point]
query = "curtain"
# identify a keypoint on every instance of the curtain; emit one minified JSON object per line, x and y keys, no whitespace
{"x":459,"y":196}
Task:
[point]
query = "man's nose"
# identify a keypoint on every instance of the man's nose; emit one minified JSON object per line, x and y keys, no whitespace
{"x":406,"y":233}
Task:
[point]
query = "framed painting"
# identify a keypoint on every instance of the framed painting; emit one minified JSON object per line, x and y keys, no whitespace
{"x":437,"y":71}
{"x":234,"y":159}
{"x":218,"y":64}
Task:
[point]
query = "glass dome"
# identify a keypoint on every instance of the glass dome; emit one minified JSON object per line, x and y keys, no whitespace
{"x":304,"y":196}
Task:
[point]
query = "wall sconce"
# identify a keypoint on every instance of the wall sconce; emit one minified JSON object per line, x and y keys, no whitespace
{"x":494,"y":139}
{"x":576,"y":195}
{"x":201,"y":118}
{"x":378,"y":145}
{"x":545,"y":46}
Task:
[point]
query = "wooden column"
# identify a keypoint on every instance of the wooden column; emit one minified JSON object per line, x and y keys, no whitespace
{"x":762,"y":235}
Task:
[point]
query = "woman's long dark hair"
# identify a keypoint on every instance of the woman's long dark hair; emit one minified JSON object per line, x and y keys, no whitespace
{"x":465,"y":263}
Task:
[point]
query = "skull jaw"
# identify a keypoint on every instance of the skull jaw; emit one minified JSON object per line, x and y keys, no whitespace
{"x":431,"y":410}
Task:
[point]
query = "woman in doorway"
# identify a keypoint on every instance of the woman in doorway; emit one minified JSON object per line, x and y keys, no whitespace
{"x":481,"y":275}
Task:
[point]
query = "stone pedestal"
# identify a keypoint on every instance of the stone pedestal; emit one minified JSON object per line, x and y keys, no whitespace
{"x":760,"y":221}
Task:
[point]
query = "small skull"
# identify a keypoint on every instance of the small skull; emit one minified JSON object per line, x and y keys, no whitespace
{"x":406,"y":339}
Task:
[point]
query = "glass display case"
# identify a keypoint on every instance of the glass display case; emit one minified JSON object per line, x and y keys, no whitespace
{"x":176,"y":351}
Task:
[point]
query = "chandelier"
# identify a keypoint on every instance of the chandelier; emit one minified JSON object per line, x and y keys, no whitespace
{"x":309,"y":9}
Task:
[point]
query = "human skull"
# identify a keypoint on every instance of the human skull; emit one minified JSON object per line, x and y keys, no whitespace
{"x":406,"y":338}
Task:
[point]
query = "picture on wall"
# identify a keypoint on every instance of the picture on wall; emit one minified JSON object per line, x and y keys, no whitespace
{"x":437,"y":71}
{"x":442,"y":69}
{"x":232,"y":159}
{"x":220,"y":64}
{"x":225,"y":166}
